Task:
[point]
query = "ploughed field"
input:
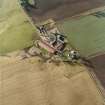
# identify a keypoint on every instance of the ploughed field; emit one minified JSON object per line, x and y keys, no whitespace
{"x":60,"y":9}
{"x":99,"y":67}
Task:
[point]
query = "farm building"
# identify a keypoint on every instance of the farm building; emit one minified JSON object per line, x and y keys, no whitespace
{"x":85,"y":32}
{"x":34,"y":81}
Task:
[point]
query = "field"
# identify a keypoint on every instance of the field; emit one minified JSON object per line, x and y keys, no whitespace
{"x":29,"y":82}
{"x":61,"y":9}
{"x":99,"y":67}
{"x":33,"y":81}
{"x":86,"y":33}
{"x":15,"y":30}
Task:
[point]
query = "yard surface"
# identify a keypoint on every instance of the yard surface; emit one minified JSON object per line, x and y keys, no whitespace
{"x":86,"y":33}
{"x":15,"y":30}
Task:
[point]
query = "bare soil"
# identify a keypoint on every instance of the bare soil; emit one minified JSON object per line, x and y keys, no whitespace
{"x":99,"y":65}
{"x":60,"y":9}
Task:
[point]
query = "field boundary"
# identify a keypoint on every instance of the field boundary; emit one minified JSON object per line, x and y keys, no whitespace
{"x":88,"y":12}
{"x":95,"y":55}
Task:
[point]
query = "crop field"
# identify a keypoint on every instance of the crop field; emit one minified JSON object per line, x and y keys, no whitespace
{"x":28,"y":81}
{"x":61,"y":9}
{"x":86,"y":33}
{"x":15,"y":30}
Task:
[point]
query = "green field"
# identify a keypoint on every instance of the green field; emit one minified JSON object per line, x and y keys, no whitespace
{"x":86,"y":33}
{"x":15,"y":30}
